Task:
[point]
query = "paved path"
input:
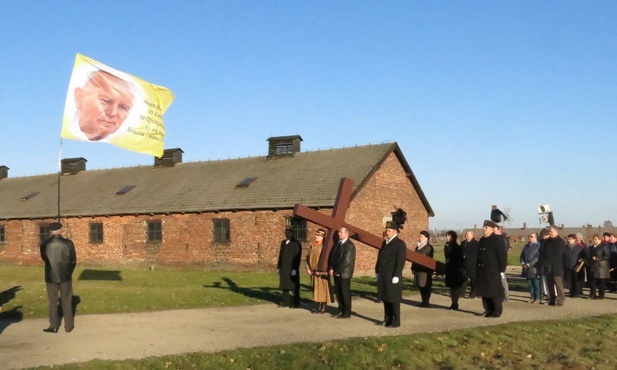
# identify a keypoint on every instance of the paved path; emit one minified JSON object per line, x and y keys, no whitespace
{"x":123,"y":336}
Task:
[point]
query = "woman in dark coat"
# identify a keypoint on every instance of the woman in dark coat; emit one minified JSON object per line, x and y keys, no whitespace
{"x":456,"y":277}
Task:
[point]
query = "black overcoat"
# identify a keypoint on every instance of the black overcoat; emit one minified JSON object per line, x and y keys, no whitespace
{"x":290,"y":255}
{"x":492,"y":261}
{"x":552,"y":256}
{"x":390,"y":263}
{"x":455,"y":265}
{"x":470,"y":250}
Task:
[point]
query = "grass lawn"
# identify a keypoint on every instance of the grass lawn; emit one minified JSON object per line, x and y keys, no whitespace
{"x":23,"y":296}
{"x":584,"y":343}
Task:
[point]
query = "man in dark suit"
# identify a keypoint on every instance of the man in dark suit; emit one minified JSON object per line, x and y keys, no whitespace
{"x":389,"y":273}
{"x":341,"y":265}
{"x":287,"y":267}
{"x":470,"y":251}
{"x":552,"y":255}
{"x":490,"y":269}
{"x":60,"y":259}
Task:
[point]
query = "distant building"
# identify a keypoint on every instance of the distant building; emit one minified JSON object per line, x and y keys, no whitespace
{"x":520,"y":235}
{"x":223,"y":211}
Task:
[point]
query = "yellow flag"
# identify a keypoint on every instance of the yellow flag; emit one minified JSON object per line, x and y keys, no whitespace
{"x":107,"y":105}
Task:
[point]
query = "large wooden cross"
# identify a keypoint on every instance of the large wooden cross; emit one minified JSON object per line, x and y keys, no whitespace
{"x":337,"y":220}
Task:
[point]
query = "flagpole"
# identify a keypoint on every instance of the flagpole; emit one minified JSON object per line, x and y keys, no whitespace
{"x":59,"y":175}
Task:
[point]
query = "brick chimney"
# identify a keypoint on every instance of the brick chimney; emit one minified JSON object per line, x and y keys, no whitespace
{"x":4,"y":172}
{"x":170,"y":158}
{"x":283,"y":146}
{"x":71,"y":166}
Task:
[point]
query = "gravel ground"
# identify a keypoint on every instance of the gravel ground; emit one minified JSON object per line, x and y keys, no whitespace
{"x":138,"y":335}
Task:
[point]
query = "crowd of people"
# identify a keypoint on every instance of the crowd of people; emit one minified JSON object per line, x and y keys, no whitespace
{"x":477,"y":267}
{"x":552,"y":265}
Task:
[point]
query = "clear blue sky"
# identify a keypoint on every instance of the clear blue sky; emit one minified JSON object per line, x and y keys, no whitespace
{"x":492,"y":102}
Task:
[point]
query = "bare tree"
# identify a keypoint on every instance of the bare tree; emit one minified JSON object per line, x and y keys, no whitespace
{"x":608,"y":224}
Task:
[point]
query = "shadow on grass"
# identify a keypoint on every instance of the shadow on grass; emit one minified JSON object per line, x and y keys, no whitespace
{"x":105,"y":275}
{"x":13,"y":315}
{"x":9,"y":294}
{"x":259,"y":293}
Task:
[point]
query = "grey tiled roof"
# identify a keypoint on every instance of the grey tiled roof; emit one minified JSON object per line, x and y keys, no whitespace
{"x":311,"y":178}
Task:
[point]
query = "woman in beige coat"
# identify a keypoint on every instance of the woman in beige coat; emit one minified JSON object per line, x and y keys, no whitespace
{"x":320,"y":280}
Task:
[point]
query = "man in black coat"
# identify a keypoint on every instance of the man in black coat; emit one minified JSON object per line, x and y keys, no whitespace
{"x":490,"y":268}
{"x":60,"y":259}
{"x":470,"y":250}
{"x":341,"y":266}
{"x":288,"y":267}
{"x":552,"y":256}
{"x":389,"y":273}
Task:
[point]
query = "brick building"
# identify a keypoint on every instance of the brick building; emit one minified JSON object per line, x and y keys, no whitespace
{"x":228,"y":211}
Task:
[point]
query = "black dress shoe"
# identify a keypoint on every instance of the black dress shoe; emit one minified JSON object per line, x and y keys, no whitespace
{"x":51,"y":330}
{"x":68,"y":330}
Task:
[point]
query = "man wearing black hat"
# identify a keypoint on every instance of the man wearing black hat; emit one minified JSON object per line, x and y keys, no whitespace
{"x":288,"y":267}
{"x":60,"y":260}
{"x":389,"y":273}
{"x":490,"y":268}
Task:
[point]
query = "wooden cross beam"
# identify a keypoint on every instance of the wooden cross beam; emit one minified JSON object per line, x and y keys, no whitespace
{"x":337,"y":220}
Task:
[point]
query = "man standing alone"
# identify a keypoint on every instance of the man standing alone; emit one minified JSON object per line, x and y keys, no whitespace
{"x":490,"y":269}
{"x":60,"y":259}
{"x":389,"y":272}
{"x":341,"y":266}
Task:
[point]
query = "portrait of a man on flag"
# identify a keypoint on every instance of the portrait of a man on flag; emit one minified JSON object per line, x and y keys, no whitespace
{"x":107,"y":105}
{"x":103,"y":103}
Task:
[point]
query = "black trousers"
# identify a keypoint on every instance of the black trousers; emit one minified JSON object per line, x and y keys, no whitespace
{"x":287,"y":301}
{"x":576,"y":282}
{"x":392,"y":313}
{"x":493,"y":306}
{"x":343,"y":295}
{"x":601,"y":283}
{"x":66,"y":301}
{"x":425,"y":294}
